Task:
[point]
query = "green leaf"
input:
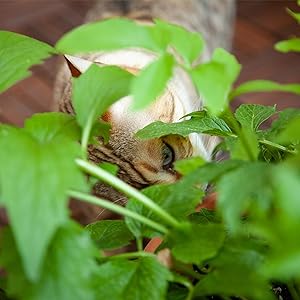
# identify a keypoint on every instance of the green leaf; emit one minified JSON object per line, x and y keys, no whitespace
{"x":110,"y":234}
{"x":291,"y":45}
{"x":204,"y":216}
{"x":264,"y":86}
{"x":270,"y":154}
{"x":138,"y":229}
{"x":67,"y":272}
{"x":283,"y":260}
{"x":47,"y":126}
{"x":143,"y":279}
{"x":230,"y":63}
{"x":237,"y":193}
{"x":93,"y":93}
{"x":197,"y":242}
{"x":296,"y":16}
{"x":112,"y":34}
{"x":238,"y":149}
{"x":5,"y":129}
{"x":284,"y":263}
{"x":100,"y":129}
{"x":17,"y":54}
{"x":235,"y":272}
{"x":111,"y":168}
{"x":177,"y":292}
{"x":252,"y":115}
{"x":199,"y":114}
{"x":209,"y":125}
{"x":188,"y":165}
{"x":212,"y":172}
{"x":291,"y":134}
{"x":280,"y":229}
{"x":188,"y":45}
{"x":173,"y":198}
{"x":95,"y":90}
{"x":280,"y":130}
{"x":34,"y":181}
{"x":281,"y":123}
{"x":3,"y":295}
{"x":214,"y":80}
{"x":155,"y":76}
{"x":284,"y":177}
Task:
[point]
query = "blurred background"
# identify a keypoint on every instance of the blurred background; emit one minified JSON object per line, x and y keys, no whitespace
{"x":259,"y":24}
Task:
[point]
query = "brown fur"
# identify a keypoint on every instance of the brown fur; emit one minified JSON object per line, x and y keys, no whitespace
{"x":141,"y":161}
{"x":213,"y":18}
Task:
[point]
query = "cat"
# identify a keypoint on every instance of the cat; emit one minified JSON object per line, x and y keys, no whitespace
{"x":145,"y":162}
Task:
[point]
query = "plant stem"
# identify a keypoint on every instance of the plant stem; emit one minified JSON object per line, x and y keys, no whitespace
{"x":278,"y":146}
{"x":85,"y":139}
{"x":117,"y":209}
{"x":185,"y":282}
{"x":247,"y":148}
{"x":190,"y":294}
{"x":181,"y":267}
{"x":241,"y":135}
{"x":139,"y":243}
{"x":293,"y":291}
{"x":272,"y":144}
{"x":128,"y":190}
{"x":132,"y":255}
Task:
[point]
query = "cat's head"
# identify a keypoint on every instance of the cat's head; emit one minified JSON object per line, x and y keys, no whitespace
{"x":145,"y":162}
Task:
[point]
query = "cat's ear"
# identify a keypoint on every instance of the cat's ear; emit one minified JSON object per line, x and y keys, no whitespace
{"x":77,"y":65}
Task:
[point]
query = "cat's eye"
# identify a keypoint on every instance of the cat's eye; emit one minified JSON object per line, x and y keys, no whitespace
{"x":168,"y":156}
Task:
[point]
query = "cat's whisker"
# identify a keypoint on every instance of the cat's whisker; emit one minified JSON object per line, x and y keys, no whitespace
{"x":121,"y":200}
{"x":144,"y":162}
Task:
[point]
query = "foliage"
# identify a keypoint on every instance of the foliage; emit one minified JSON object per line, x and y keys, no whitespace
{"x":110,"y":234}
{"x":201,"y":123}
{"x":239,"y":250}
{"x":144,"y":278}
{"x":157,"y":74}
{"x":222,"y":69}
{"x":15,"y":63}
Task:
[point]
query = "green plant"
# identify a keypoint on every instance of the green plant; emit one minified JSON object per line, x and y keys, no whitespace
{"x":251,"y":240}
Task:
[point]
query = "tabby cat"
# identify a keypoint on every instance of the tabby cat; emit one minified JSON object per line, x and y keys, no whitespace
{"x":145,"y":162}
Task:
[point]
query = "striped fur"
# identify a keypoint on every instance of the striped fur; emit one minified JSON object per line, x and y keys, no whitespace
{"x":141,"y":161}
